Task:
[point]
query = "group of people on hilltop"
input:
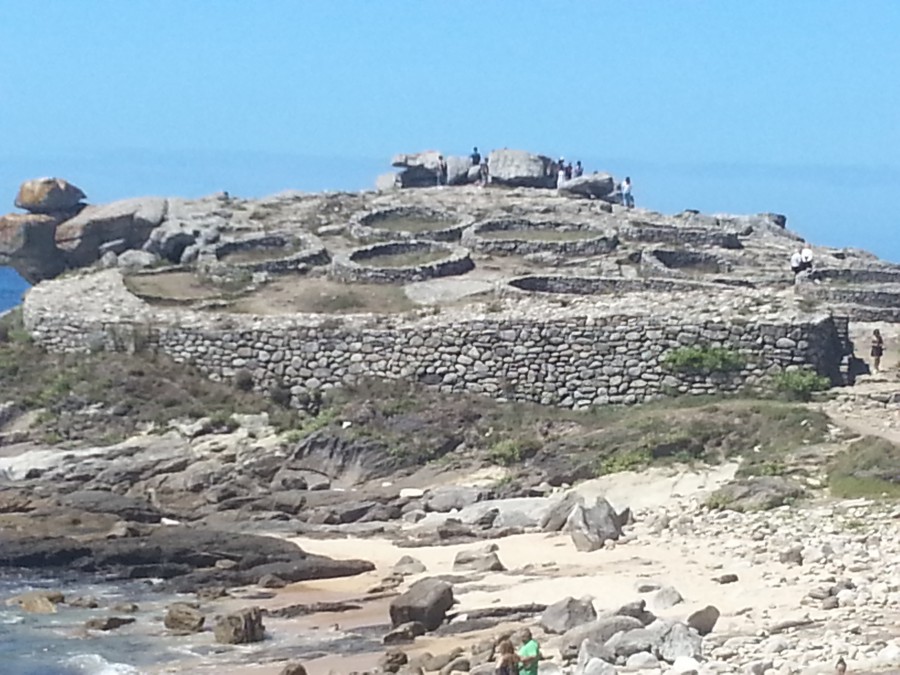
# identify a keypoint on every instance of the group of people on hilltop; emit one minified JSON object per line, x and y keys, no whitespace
{"x":477,"y":160}
{"x":567,"y":171}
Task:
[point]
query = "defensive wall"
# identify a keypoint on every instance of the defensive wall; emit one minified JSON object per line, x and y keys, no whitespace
{"x":572,"y":354}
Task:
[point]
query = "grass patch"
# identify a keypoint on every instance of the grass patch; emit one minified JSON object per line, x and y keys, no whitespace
{"x":540,"y":234}
{"x":511,"y":451}
{"x":411,"y":224}
{"x":869,"y":467}
{"x":704,"y":360}
{"x":409,"y":259}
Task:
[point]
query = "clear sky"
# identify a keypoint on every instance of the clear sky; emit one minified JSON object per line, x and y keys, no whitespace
{"x":788,"y":106}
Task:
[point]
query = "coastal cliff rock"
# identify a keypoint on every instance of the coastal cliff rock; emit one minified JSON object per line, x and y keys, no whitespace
{"x":49,"y":195}
{"x":27,"y":244}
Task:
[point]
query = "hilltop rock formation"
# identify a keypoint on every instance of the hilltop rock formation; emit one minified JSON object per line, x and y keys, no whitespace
{"x":49,"y":195}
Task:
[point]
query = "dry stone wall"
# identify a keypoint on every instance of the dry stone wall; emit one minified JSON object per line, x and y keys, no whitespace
{"x":558,"y":359}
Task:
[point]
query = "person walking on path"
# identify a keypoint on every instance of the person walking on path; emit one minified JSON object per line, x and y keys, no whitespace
{"x":627,"y":197}
{"x":529,"y":654}
{"x":877,"y":350}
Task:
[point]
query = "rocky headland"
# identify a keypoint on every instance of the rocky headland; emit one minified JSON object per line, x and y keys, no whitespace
{"x":382,"y":431}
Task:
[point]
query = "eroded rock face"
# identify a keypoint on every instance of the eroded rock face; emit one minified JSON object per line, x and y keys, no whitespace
{"x":49,"y":195}
{"x":129,"y":220}
{"x":27,"y":244}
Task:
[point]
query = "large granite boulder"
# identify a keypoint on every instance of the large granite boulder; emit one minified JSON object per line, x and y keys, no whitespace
{"x":27,"y":243}
{"x":426,"y":601}
{"x":518,"y":168}
{"x":591,"y":527}
{"x":427,"y":160}
{"x":593,"y":186}
{"x":183,"y":617}
{"x":130,"y":220}
{"x":49,"y":195}
{"x":600,"y":630}
{"x":566,"y":614}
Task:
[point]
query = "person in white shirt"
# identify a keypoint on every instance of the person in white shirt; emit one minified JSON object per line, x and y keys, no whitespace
{"x":796,"y":262}
{"x":806,"y":257}
{"x":627,"y":197}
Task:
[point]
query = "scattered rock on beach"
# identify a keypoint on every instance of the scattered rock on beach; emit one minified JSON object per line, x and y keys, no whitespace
{"x":108,"y":623}
{"x":241,"y":627}
{"x":182,"y":617}
{"x":426,"y":601}
{"x":567,"y":613}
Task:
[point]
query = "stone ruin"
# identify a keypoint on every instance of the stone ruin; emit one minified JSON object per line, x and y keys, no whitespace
{"x":519,"y":293}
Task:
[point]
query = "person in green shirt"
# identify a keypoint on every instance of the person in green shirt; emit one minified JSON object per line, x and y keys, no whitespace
{"x":529,"y":654}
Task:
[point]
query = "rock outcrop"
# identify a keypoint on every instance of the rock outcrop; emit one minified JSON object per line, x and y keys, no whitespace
{"x":593,"y":186}
{"x":27,"y":243}
{"x":119,"y":225}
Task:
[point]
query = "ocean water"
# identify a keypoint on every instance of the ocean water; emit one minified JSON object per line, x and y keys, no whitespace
{"x":12,"y":286}
{"x":56,"y":644}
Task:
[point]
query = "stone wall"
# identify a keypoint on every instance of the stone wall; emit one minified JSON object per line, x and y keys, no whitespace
{"x":551,"y":357}
{"x":596,"y":241}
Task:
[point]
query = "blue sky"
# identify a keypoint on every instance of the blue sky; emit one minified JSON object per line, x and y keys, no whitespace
{"x":723,"y":106}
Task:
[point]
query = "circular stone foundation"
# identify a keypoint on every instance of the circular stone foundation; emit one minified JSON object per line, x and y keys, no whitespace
{"x":401,"y":261}
{"x":600,"y":285}
{"x":273,"y":253}
{"x":680,"y":262}
{"x":523,"y":237}
{"x":408,"y":222}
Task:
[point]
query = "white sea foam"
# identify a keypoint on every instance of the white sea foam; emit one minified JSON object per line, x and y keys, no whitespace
{"x":94,"y":664}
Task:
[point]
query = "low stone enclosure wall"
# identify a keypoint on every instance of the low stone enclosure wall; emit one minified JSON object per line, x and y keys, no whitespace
{"x":362,"y":265}
{"x":368,"y":226}
{"x":595,"y":242}
{"x":551,"y":356}
{"x":299,"y":251}
{"x":704,"y":237}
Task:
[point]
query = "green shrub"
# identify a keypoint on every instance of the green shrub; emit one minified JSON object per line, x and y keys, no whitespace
{"x":704,"y":360}
{"x":867,"y":468}
{"x":511,"y":451}
{"x":625,"y":461}
{"x":799,"y":385}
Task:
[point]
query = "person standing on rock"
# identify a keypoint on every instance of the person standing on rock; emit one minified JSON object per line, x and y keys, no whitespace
{"x":441,"y":171}
{"x":529,"y":654}
{"x":877,"y":350}
{"x":484,"y":175}
{"x":569,"y":171}
{"x":560,"y":172}
{"x":507,"y":661}
{"x":578,"y":171}
{"x":475,"y":156}
{"x":627,"y":197}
